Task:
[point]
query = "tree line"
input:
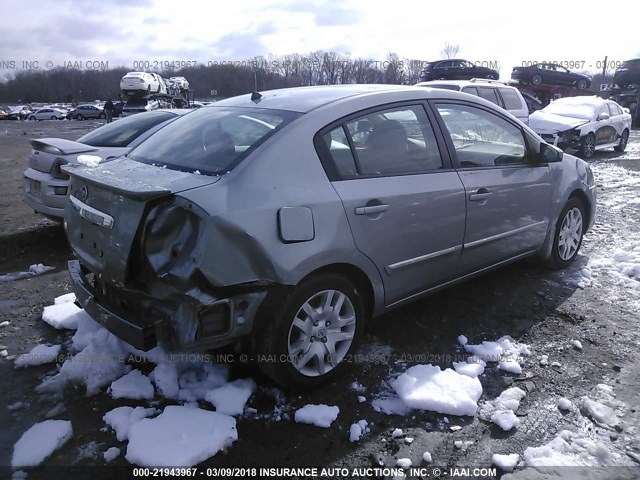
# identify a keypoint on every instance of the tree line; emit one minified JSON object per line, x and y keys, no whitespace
{"x":226,"y":78}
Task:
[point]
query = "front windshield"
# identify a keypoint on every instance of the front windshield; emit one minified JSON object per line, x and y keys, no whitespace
{"x":578,"y":110}
{"x":124,"y":131}
{"x":211,"y":140}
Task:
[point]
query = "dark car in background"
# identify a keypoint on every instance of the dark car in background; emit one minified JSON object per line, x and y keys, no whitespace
{"x":533,"y":103}
{"x":455,"y":69}
{"x":628,"y":73}
{"x":550,"y":74}
{"x":117,"y":108}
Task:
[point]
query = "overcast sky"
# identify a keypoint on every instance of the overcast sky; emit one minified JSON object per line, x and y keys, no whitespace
{"x":123,"y":31}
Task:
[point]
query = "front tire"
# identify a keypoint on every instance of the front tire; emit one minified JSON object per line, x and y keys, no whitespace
{"x":588,"y":146}
{"x":621,"y":147}
{"x":79,"y":117}
{"x":303,"y":340}
{"x":102,"y":116}
{"x":582,"y":84}
{"x":568,"y":235}
{"x":32,"y":118}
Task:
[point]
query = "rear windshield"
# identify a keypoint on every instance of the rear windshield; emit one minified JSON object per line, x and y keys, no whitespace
{"x":211,"y":140}
{"x":124,"y":131}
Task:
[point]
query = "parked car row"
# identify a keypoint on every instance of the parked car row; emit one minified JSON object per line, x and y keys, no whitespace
{"x":393,"y":192}
{"x":542,"y":73}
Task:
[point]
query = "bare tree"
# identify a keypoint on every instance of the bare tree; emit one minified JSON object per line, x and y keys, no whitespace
{"x":449,"y":50}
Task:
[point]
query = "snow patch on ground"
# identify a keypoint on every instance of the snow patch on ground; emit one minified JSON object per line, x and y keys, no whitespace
{"x":505,"y":351}
{"x":358,"y":430}
{"x":427,"y":387}
{"x":34,"y":270}
{"x":506,"y":462}
{"x":64,"y":315}
{"x":134,"y":385}
{"x":38,"y":355}
{"x":318,"y":415}
{"x":40,"y":441}
{"x":390,"y":405}
{"x":473,"y":367}
{"x":231,"y":397}
{"x":180,"y":437}
{"x":111,"y":454}
{"x":122,"y":418}
{"x":502,"y":409}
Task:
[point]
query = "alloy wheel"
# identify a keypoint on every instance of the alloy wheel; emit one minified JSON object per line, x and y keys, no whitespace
{"x":570,"y":234}
{"x":322,"y":332}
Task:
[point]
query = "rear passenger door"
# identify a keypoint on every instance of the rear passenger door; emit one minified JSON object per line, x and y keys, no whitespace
{"x":404,"y":203}
{"x":508,"y":197}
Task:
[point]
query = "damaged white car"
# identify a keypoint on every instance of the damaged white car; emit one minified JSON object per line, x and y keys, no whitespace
{"x":585,"y":124}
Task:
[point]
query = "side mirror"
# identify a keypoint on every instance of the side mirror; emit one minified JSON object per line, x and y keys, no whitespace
{"x":603,"y":116}
{"x":549,"y":153}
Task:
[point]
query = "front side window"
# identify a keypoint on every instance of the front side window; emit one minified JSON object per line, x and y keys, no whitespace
{"x":482,"y":138}
{"x":613,"y":109}
{"x":211,"y":140}
{"x":387,"y":142}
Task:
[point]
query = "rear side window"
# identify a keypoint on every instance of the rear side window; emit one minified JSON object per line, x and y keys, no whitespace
{"x":387,"y":142}
{"x":124,"y":131}
{"x":211,"y":140}
{"x":489,"y":94}
{"x":511,"y":99}
{"x":471,"y":90}
{"x":614,"y":109}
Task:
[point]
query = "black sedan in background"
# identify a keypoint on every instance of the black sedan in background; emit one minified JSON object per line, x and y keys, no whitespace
{"x":550,"y":74}
{"x":455,"y":69}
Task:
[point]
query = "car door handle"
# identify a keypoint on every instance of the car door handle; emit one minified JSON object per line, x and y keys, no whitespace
{"x":480,"y":195}
{"x":371,"y":209}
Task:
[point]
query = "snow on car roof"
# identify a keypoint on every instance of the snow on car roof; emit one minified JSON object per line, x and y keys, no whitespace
{"x":590,"y":101}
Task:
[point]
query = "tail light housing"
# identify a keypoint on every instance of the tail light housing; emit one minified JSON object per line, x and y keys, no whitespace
{"x":56,"y":169}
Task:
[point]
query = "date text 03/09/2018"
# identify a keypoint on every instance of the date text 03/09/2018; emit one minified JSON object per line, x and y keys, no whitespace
{"x":315,"y":472}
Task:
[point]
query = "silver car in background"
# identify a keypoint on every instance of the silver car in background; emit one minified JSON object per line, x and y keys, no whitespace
{"x":45,"y":185}
{"x":282,"y":220}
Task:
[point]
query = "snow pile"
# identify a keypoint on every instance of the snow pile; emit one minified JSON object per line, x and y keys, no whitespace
{"x":358,"y":430}
{"x":628,"y":262}
{"x":506,"y":462}
{"x":231,"y":397}
{"x":427,"y":387}
{"x":390,"y":404}
{"x":397,"y":433}
{"x":134,"y":385}
{"x":505,"y":351}
{"x":34,"y":270}
{"x":426,"y":456}
{"x":602,"y":407}
{"x":404,"y":463}
{"x":567,"y":449}
{"x":180,"y":437}
{"x":122,"y":418}
{"x":565,"y":404}
{"x":91,"y":161}
{"x":40,"y":441}
{"x":502,"y":409}
{"x":318,"y":415}
{"x":577,"y":344}
{"x":111,"y":454}
{"x":473,"y":367}
{"x":38,"y":355}
{"x":66,"y":298}
{"x":64,"y":315}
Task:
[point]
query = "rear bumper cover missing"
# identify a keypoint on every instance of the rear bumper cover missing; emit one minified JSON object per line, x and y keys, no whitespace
{"x":179,"y":327}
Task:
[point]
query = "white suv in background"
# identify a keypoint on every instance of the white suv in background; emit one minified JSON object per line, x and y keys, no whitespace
{"x":497,"y":92}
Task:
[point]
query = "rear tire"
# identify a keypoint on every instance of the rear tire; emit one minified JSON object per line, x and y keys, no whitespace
{"x":536,"y":79}
{"x":102,"y":116}
{"x":32,"y":118}
{"x":623,"y":142}
{"x":568,"y":235}
{"x":53,"y":117}
{"x":582,"y":84}
{"x":79,"y":117}
{"x":306,"y":333}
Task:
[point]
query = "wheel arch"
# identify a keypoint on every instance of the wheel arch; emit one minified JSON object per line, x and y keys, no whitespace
{"x":580,"y":195}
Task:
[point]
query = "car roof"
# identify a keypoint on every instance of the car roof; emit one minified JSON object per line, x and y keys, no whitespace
{"x":305,"y":99}
{"x":463,"y":83}
{"x":583,"y":100}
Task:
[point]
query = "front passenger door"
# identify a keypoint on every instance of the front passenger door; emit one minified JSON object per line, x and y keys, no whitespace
{"x":508,"y":198}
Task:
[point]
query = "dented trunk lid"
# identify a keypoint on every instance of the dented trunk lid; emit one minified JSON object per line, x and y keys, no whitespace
{"x":107,"y":204}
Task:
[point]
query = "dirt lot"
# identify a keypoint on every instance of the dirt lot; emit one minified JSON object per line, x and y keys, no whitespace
{"x":594,"y":302}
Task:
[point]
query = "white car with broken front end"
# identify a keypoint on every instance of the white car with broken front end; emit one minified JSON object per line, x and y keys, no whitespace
{"x":586,"y":124}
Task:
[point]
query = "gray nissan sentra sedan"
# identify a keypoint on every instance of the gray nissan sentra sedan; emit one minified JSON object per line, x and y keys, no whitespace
{"x":286,"y":218}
